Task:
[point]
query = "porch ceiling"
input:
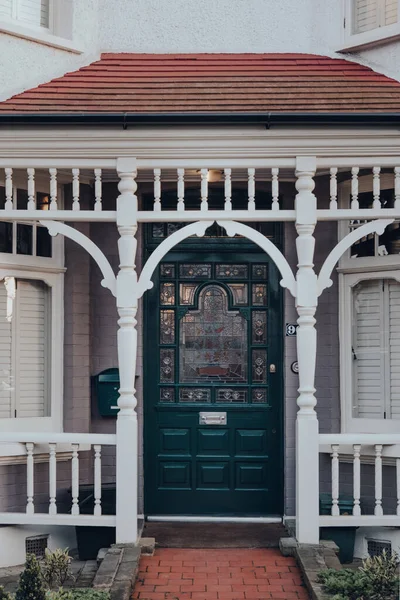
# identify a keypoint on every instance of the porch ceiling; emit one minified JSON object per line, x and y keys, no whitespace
{"x":213,"y":83}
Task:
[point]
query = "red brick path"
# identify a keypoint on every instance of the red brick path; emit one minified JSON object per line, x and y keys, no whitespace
{"x":223,"y":574}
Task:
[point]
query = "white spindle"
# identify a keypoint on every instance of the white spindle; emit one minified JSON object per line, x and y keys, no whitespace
{"x":75,"y":479}
{"x":52,"y":479}
{"x":397,"y":187}
{"x":335,"y":480}
{"x":181,"y":189}
{"x":157,"y":190}
{"x":97,"y":480}
{"x":228,"y":189}
{"x":9,"y":190}
{"x":378,"y":481}
{"x":398,"y":485}
{"x":376,"y":186}
{"x":53,"y":189}
{"x":30,"y":507}
{"x":97,"y":189}
{"x":333,"y":188}
{"x":31,"y":189}
{"x":251,"y":189}
{"x":356,"y":480}
{"x":354,"y":187}
{"x":75,"y":189}
{"x":275,"y":188}
{"x":204,"y":189}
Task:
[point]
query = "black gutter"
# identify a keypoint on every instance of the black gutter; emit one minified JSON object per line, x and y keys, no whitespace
{"x":270,"y":119}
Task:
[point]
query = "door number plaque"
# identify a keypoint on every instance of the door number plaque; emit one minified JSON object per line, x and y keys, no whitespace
{"x":212,"y":418}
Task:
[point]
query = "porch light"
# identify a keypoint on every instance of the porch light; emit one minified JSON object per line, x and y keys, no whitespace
{"x":214,"y":175}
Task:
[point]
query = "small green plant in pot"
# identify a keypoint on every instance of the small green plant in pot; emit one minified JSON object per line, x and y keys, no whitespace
{"x":56,"y":568}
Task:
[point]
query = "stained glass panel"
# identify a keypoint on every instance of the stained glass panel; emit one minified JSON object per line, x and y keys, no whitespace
{"x":195,"y":395}
{"x":167,"y":365}
{"x":259,"y":271}
{"x":213,"y":341}
{"x":192,"y":271}
{"x":259,"y":327}
{"x":167,"y":395}
{"x":231,"y":271}
{"x":167,"y":326}
{"x":187,"y":292}
{"x":259,"y":294}
{"x":172,"y":227}
{"x":158,"y":230}
{"x":259,"y":366}
{"x":239,"y":293}
{"x":232,"y":395}
{"x":167,"y":293}
{"x":259,"y":396}
{"x":167,"y":270}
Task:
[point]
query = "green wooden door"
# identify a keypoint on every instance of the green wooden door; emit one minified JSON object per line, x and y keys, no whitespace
{"x":213,"y":345}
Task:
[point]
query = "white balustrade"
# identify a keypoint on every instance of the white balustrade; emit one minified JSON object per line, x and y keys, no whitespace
{"x":157,"y":190}
{"x":275,"y":188}
{"x":9,"y":189}
{"x":181,"y":189}
{"x":354,"y":188}
{"x":376,"y":187}
{"x":357,"y":480}
{"x":30,"y":507}
{"x":97,"y":480}
{"x":75,"y":479}
{"x":251,"y":189}
{"x":75,"y":190}
{"x":31,"y":189}
{"x":378,"y":480}
{"x":228,"y":189}
{"x":53,"y":189}
{"x":52,"y":479}
{"x":335,"y":480}
{"x":204,"y":189}
{"x":333,"y":188}
{"x":97,"y":190}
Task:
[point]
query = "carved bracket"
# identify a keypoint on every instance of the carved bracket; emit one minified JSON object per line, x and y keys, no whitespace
{"x":324,"y":278}
{"x":288,"y":281}
{"x":55,"y":228}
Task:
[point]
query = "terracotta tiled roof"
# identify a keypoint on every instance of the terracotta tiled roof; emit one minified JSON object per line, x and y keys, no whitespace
{"x":203,"y":83}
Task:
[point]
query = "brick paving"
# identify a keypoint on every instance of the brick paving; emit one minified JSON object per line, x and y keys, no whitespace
{"x":218,"y":574}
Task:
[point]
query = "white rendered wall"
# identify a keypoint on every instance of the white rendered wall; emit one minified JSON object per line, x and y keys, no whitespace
{"x":12,"y":541}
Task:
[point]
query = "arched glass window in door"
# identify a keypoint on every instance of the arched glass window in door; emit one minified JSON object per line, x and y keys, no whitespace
{"x":213,"y":341}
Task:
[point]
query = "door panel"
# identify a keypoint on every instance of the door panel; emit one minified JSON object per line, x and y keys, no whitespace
{"x":213,"y":328}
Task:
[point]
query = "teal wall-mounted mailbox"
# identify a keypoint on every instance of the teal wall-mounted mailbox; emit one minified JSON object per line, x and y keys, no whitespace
{"x":107,"y":386}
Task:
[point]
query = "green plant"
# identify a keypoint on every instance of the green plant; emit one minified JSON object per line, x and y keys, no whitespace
{"x":56,"y":567}
{"x":5,"y":595}
{"x":59,"y":594}
{"x":377,"y":579}
{"x":89,"y":594}
{"x":30,"y":585}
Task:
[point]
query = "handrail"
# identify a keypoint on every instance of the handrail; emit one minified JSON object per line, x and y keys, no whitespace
{"x":365,"y":439}
{"x":102,"y":439}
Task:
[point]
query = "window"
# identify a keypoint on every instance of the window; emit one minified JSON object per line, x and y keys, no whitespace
{"x":34,"y":13}
{"x":368,"y":22}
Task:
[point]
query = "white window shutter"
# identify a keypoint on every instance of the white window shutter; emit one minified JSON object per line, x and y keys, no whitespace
{"x":368,"y":350}
{"x":366,"y":15}
{"x":391,"y":8}
{"x":32,"y":349}
{"x":6,"y":9}
{"x":6,"y":378}
{"x":33,"y":12}
{"x":394,"y":347}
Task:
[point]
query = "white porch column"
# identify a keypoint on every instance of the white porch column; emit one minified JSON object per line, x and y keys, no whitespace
{"x":127,"y":428}
{"x":307,"y":457}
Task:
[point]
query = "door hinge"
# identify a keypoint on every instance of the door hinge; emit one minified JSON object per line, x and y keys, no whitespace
{"x":344,"y":23}
{"x":15,"y":413}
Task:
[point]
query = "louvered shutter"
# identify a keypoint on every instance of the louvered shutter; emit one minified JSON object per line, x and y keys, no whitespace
{"x":370,"y":14}
{"x":34,"y":12}
{"x":6,"y":9}
{"x":6,"y":379}
{"x":391,"y":7}
{"x":394,"y":347}
{"x":368,"y":350}
{"x":32,"y":349}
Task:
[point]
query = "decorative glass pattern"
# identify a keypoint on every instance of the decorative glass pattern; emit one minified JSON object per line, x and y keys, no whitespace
{"x":259,"y":396}
{"x":192,"y":271}
{"x":157,"y":230}
{"x":172,"y":227}
{"x":259,"y":294}
{"x":259,"y":366}
{"x":213,"y":341}
{"x":167,"y":326}
{"x":167,"y":365}
{"x":259,"y":271}
{"x":167,"y":270}
{"x":167,"y":395}
{"x":195,"y":395}
{"x":239,"y":293}
{"x":259,"y":327}
{"x":232,"y":395}
{"x":167,"y":294}
{"x":231,"y":271}
{"x":187,"y":292}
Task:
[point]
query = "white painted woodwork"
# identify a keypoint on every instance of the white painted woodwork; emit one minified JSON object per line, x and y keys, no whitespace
{"x":31,"y":190}
{"x":52,"y":479}
{"x":157,"y":190}
{"x":204,"y":189}
{"x":333,"y":188}
{"x":6,"y":356}
{"x":9,"y":189}
{"x":378,"y":512}
{"x":354,"y":188}
{"x":357,"y":480}
{"x":97,"y":480}
{"x":53,"y":189}
{"x":335,"y":481}
{"x":251,"y":189}
{"x":397,"y":187}
{"x":181,"y":190}
{"x":275,"y":188}
{"x":376,"y":188}
{"x":228,"y":189}
{"x":75,"y":190}
{"x":75,"y":479}
{"x":30,"y":507}
{"x":398,"y":485}
{"x":98,"y":191}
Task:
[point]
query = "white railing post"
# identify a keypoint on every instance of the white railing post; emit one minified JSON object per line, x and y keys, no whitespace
{"x":357,"y":480}
{"x":398,"y":485}
{"x":335,"y":481}
{"x":30,"y":507}
{"x":52,"y":479}
{"x":75,"y":479}
{"x":378,"y":481}
{"x":127,"y":303}
{"x":307,"y":451}
{"x":97,"y":480}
